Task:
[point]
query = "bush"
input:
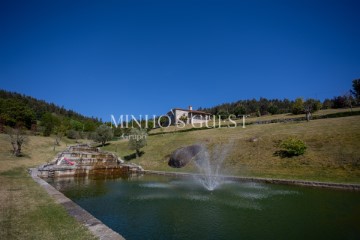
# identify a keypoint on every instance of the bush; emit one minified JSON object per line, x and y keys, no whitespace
{"x":292,"y":147}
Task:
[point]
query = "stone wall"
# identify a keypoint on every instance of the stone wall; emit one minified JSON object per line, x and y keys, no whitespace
{"x":89,"y":160}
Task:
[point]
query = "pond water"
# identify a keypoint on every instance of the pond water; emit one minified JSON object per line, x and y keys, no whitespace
{"x":162,"y":207}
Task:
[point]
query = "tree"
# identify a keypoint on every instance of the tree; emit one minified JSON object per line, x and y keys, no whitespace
{"x":339,"y":102}
{"x":13,"y":112}
{"x":137,"y":140}
{"x":273,"y":109}
{"x":223,"y":114}
{"x":103,"y":134}
{"x":2,"y":125}
{"x":356,"y":90}
{"x":89,"y":126}
{"x":72,"y":134}
{"x":327,"y":104}
{"x":298,"y":106}
{"x":311,"y":106}
{"x":18,"y":137}
{"x":239,"y":110}
{"x":49,"y":121}
{"x":59,"y":133}
{"x":76,"y":125}
{"x":349,"y":100}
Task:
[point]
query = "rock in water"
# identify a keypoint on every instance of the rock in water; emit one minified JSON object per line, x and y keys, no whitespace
{"x":182,"y":156}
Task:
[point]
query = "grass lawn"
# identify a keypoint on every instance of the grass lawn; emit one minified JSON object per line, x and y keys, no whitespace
{"x":333,"y":152}
{"x":26,"y":210}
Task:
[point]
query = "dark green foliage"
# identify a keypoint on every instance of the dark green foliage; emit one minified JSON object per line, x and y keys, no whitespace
{"x":20,"y":110}
{"x":291,"y":147}
{"x":49,"y":122}
{"x":312,"y":105}
{"x":253,"y":107}
{"x":223,"y":114}
{"x":327,"y":104}
{"x":14,"y":112}
{"x":356,"y":90}
{"x":239,"y":110}
{"x":273,"y":109}
{"x":339,"y":102}
{"x":90,"y":126}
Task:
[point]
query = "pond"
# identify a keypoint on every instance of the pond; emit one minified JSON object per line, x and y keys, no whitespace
{"x":163,"y":207}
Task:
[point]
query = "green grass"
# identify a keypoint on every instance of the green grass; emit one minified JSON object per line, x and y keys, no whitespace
{"x":333,"y":152}
{"x":253,"y":119}
{"x":26,"y":210}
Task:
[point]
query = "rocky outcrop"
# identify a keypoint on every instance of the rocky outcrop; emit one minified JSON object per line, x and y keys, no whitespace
{"x":182,"y":156}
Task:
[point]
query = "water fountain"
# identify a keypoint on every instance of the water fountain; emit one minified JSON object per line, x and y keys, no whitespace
{"x":168,"y":206}
{"x":208,"y":163}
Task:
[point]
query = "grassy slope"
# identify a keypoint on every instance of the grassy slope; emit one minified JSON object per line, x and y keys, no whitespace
{"x":26,"y":211}
{"x":255,"y":119}
{"x":333,"y":152}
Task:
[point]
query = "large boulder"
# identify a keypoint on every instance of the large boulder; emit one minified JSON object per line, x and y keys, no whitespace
{"x":182,"y":156}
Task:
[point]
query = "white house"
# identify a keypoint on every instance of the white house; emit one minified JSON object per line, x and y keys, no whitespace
{"x":188,"y":116}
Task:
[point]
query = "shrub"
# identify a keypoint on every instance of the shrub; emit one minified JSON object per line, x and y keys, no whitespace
{"x":292,"y":147}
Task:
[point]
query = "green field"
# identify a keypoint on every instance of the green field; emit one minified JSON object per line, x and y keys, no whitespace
{"x":26,"y":210}
{"x":333,"y":152}
{"x":253,"y":119}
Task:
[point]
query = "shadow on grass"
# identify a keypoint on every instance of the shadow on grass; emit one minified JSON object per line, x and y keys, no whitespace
{"x":132,"y":156}
{"x":100,"y":145}
{"x":283,"y":154}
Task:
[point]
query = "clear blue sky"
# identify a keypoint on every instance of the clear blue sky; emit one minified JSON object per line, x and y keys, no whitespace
{"x":145,"y":57}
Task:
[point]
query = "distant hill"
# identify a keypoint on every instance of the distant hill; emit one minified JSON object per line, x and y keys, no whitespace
{"x":29,"y":112}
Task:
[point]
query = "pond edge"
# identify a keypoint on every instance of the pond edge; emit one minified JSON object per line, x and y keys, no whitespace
{"x":329,"y":185}
{"x":94,"y":225}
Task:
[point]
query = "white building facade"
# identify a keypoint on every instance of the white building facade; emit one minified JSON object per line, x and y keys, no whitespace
{"x":188,"y":116}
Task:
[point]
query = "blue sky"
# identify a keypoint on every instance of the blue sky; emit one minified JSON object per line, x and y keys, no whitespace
{"x":145,"y":57}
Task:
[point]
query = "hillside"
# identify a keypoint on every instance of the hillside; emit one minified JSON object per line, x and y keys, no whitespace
{"x":332,"y":155}
{"x":17,"y":109}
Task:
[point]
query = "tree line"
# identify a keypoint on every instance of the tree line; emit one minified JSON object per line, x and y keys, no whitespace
{"x":265,"y":106}
{"x":21,"y":111}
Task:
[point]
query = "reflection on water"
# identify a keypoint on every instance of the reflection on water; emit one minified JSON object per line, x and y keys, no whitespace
{"x":161,"y":207}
